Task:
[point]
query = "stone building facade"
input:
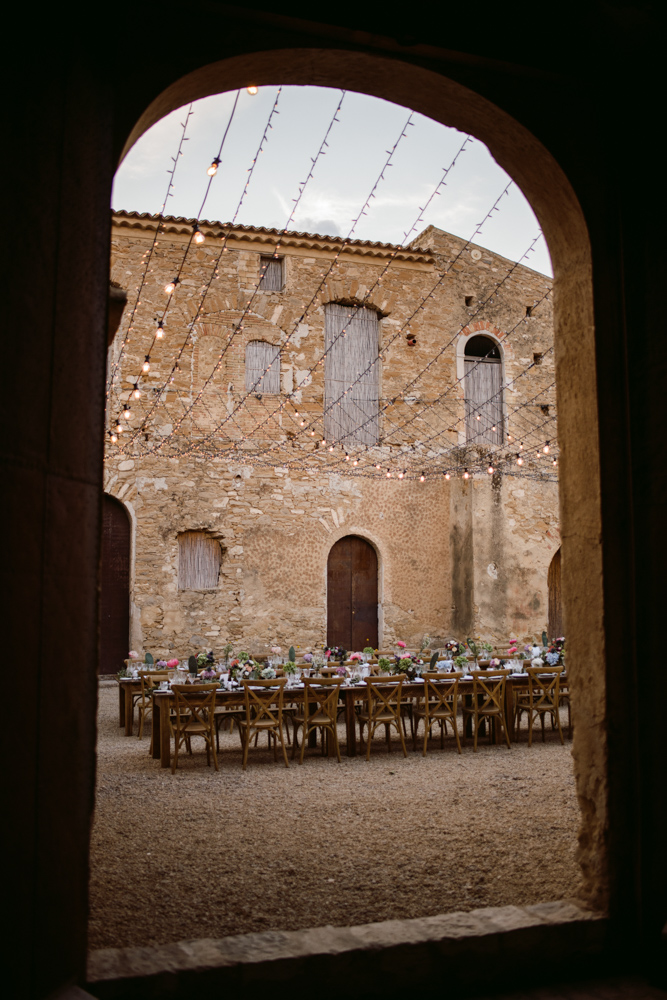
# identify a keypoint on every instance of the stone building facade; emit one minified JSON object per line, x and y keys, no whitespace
{"x":202,"y":459}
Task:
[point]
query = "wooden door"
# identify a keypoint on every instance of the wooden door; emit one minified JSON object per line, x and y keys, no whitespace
{"x":555,"y":598}
{"x":352,"y":594}
{"x":115,"y":577}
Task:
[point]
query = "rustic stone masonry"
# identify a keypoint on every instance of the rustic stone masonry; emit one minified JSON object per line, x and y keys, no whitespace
{"x":455,"y":557}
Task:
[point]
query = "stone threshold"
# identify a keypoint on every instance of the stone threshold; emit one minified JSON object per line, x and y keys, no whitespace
{"x":461,"y":952}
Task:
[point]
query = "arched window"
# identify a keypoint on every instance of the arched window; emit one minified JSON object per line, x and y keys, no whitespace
{"x":351,"y":375}
{"x":262,"y":367}
{"x":483,"y":386}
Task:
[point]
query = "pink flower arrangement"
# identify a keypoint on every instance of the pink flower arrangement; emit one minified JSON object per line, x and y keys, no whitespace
{"x":276,"y":650}
{"x":401,"y":645}
{"x":355,"y":656}
{"x":172,"y":664}
{"x":133,"y":655}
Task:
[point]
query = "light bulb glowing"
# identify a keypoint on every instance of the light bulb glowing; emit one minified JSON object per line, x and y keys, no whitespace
{"x":355,"y":462}
{"x":519,"y":460}
{"x":347,"y":457}
{"x":330,"y":447}
{"x":389,"y":475}
{"x":377,"y":466}
{"x":213,"y":169}
{"x":159,"y":333}
{"x":312,"y":433}
{"x":252,"y":89}
{"x":466,"y":475}
{"x":490,"y":470}
{"x":119,"y":428}
{"x":521,"y":446}
{"x":146,"y":367}
{"x":546,"y":448}
{"x":422,"y":478}
{"x":113,"y":438}
{"x":400,"y":475}
{"x":126,"y":413}
{"x":323,"y":442}
{"x":477,"y":417}
{"x":447,"y":476}
{"x":198,"y":235}
{"x":137,"y":392}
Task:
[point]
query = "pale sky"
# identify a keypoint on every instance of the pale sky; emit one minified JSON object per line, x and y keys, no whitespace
{"x":343,"y":178}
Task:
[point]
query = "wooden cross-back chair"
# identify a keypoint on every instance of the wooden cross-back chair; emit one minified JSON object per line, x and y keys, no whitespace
{"x":263,"y":714}
{"x":320,"y":711}
{"x":488,"y":702}
{"x":382,"y":708}
{"x":438,"y":703}
{"x":194,"y":715}
{"x":149,"y":681}
{"x":542,"y":698}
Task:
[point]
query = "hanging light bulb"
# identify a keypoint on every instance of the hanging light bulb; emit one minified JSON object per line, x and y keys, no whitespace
{"x":546,"y":448}
{"x":401,"y":474}
{"x":466,"y":474}
{"x":159,"y":333}
{"x":126,"y":412}
{"x":347,"y":457}
{"x":555,"y":461}
{"x":137,"y":391}
{"x":447,"y":476}
{"x":490,"y":470}
{"x":303,"y":423}
{"x":377,"y":466}
{"x":170,"y":287}
{"x":323,"y":442}
{"x":198,"y":236}
{"x":355,"y":462}
{"x":422,"y":478}
{"x":119,"y":428}
{"x":330,"y":447}
{"x":520,"y":445}
{"x":493,"y":429}
{"x":112,"y":437}
{"x":389,"y":475}
{"x":213,"y":169}
{"x":252,"y":89}
{"x":146,"y":367}
{"x":519,"y":460}
{"x":477,"y":417}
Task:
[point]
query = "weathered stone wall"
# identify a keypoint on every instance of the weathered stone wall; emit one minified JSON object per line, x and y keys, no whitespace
{"x":455,"y":557}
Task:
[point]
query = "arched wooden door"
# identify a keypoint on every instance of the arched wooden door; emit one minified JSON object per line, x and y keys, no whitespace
{"x":115,"y":577}
{"x":555,"y":598}
{"x":352,"y":594}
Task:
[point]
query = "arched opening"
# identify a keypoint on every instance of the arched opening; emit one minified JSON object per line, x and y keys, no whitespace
{"x":483,"y":388}
{"x":115,"y":586}
{"x":352,"y":594}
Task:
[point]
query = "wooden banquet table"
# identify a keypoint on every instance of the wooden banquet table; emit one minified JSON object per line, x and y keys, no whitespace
{"x":350,"y":695}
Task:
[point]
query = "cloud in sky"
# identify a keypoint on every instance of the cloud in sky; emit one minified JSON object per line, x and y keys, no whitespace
{"x":343,"y":177}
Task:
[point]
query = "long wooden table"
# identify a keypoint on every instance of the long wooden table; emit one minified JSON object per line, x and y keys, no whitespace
{"x":350,"y":695}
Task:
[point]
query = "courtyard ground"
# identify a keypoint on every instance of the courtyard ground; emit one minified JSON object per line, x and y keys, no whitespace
{"x":206,"y":854}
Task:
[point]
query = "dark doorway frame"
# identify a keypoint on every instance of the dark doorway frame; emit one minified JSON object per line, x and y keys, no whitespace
{"x":360,"y":597}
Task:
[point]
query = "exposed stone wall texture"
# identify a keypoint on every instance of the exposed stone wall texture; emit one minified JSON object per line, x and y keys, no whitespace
{"x":456,"y":557}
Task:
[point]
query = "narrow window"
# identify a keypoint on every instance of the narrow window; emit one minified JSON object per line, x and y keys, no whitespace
{"x":262,"y":367}
{"x":199,"y":558}
{"x":271,"y":274}
{"x":483,"y":392}
{"x":351,"y":375}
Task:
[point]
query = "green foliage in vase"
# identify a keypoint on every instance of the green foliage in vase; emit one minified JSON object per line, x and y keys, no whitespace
{"x":385,"y":664}
{"x":461,"y":662}
{"x":289,"y":668}
{"x":292,"y":654}
{"x":369,"y":651}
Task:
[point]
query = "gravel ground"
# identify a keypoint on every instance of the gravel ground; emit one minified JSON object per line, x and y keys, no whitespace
{"x":206,"y":854}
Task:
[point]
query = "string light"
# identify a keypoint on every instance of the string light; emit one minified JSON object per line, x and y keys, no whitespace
{"x":170,"y":287}
{"x":546,"y":448}
{"x":252,"y":89}
{"x":213,"y":169}
{"x":198,"y":236}
{"x":159,"y":333}
{"x":519,"y":460}
{"x":490,"y":470}
{"x":126,"y":412}
{"x":146,"y":367}
{"x":137,"y":391}
{"x":447,"y":476}
{"x":466,"y":474}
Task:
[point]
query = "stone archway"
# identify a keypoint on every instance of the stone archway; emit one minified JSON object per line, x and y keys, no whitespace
{"x":553,"y":200}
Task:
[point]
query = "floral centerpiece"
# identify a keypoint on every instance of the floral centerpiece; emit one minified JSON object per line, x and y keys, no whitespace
{"x":356,"y":658}
{"x":335,"y":653}
{"x":487,"y":648}
{"x":454,"y":648}
{"x":495,"y":663}
{"x":385,"y":664}
{"x":407,"y":666}
{"x":425,"y":643}
{"x":206,"y":661}
{"x":307,"y":657}
{"x":461,"y":662}
{"x":555,"y":652}
{"x":400,"y":648}
{"x":369,"y":653}
{"x":289,"y":668}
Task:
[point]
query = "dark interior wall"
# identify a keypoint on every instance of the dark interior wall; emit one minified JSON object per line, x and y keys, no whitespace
{"x":583,"y":87}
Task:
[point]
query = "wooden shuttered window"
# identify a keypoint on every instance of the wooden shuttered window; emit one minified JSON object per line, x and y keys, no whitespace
{"x":483,"y":390}
{"x":351,"y":375}
{"x":199,"y":558}
{"x":271,"y":274}
{"x":262,"y":367}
